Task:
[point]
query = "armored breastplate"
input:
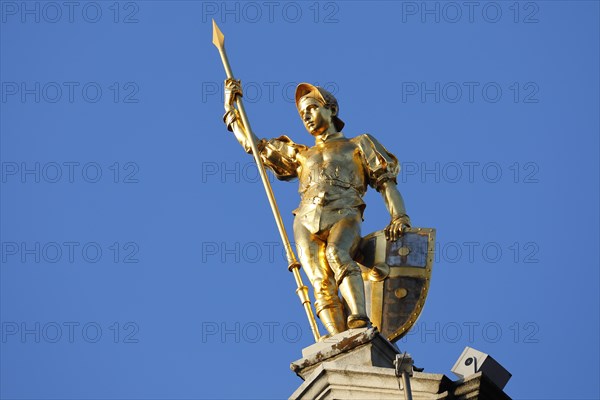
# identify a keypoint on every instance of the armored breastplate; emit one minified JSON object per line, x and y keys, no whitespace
{"x":332,"y":170}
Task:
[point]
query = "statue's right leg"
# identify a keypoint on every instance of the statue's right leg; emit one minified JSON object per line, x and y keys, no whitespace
{"x":311,"y":252}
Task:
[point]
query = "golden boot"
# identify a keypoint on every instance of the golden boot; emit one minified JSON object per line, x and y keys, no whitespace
{"x":334,"y":319}
{"x":353,"y":291}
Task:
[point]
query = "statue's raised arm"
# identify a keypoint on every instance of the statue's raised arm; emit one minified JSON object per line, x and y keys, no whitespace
{"x":239,"y":111}
{"x":233,"y":89}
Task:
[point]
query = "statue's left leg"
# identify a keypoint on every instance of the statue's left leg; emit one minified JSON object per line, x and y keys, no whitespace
{"x":342,"y":243}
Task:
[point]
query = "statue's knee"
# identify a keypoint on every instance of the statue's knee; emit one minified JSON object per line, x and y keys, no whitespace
{"x":346,"y":270}
{"x":352,"y":268}
{"x":324,"y":287}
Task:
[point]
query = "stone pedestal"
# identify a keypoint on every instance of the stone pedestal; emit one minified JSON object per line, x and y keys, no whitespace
{"x":364,"y":346}
{"x":359,"y":364}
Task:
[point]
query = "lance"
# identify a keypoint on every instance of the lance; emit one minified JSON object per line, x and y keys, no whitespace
{"x":293,"y":264}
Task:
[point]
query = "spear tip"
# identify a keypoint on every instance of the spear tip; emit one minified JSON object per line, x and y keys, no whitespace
{"x":218,"y":38}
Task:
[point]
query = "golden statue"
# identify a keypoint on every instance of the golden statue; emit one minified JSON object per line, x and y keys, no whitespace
{"x":333,"y":177}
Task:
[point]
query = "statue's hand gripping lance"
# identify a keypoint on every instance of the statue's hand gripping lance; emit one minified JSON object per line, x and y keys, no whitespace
{"x":293,"y":264}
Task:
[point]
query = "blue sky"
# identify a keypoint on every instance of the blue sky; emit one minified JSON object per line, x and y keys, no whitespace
{"x":140,"y":258}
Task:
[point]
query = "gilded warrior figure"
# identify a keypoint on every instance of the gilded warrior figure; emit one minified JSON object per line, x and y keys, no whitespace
{"x":333,"y":177}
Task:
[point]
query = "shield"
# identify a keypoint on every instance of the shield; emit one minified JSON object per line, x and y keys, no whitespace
{"x":396,"y":276}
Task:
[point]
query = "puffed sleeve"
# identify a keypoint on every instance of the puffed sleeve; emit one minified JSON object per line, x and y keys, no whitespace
{"x":280,"y":155}
{"x":382,"y":166}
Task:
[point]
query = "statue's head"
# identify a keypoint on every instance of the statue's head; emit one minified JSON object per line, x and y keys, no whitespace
{"x":318,"y":109}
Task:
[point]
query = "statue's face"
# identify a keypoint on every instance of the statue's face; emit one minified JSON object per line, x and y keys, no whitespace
{"x":316,"y":117}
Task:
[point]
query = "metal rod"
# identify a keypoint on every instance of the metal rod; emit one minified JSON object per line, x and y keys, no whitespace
{"x":406,"y":384}
{"x":293,"y":264}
